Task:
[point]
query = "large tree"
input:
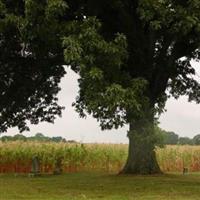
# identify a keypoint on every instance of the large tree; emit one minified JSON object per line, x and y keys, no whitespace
{"x":128,"y":53}
{"x":131,"y":62}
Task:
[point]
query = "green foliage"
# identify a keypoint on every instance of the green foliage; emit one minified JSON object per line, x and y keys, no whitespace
{"x":167,"y":137}
{"x":39,"y":137}
{"x":171,"y":138}
{"x":31,"y":61}
{"x":157,"y":41}
{"x":19,"y":137}
{"x":196,"y":140}
{"x":59,"y":139}
{"x":185,"y":140}
{"x":99,"y":62}
{"x":6,"y":138}
{"x":127,"y":55}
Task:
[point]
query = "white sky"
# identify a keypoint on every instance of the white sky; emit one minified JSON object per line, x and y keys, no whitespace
{"x":181,"y":117}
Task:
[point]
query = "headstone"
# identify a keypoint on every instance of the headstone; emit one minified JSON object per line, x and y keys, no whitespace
{"x":35,"y":168}
{"x":185,"y":170}
{"x":58,"y":166}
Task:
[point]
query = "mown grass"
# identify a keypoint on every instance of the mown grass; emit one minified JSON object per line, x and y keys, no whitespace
{"x":96,"y":186}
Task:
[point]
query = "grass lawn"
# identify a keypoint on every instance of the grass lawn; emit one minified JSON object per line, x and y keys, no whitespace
{"x":80,"y":186}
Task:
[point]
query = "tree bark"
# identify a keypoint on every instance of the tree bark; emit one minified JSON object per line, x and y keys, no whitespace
{"x":141,"y":154}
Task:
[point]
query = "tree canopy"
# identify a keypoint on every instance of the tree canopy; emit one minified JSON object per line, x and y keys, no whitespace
{"x":31,"y":61}
{"x":162,"y":37}
{"x":129,"y":50}
{"x":37,"y":39}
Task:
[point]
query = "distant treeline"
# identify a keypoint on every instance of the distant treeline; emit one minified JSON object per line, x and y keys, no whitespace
{"x":165,"y":137}
{"x":169,"y":137}
{"x":38,"y":137}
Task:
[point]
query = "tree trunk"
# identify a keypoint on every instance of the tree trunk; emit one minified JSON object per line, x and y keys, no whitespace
{"x":141,"y":154}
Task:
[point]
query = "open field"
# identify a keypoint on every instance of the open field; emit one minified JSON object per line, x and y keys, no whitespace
{"x":94,"y":186}
{"x":15,"y":157}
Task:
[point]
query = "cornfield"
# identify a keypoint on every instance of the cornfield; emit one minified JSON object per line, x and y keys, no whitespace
{"x":16,"y":157}
{"x":174,"y":158}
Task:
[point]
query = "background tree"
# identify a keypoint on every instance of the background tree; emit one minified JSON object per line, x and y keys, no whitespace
{"x":196,"y":140}
{"x":19,"y":137}
{"x":58,"y":139}
{"x":167,"y":137}
{"x":128,"y":85}
{"x":170,"y":138}
{"x":6,"y":138}
{"x":39,"y":137}
{"x":185,"y":140}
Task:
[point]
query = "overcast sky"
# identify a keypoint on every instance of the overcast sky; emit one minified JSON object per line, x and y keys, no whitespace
{"x":181,"y":117}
